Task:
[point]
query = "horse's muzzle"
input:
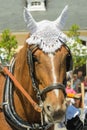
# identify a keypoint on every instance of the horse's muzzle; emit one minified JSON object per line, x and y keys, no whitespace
{"x":56,"y":116}
{"x":54,"y":108}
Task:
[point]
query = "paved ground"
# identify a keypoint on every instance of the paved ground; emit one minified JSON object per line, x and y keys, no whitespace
{"x":56,"y":128}
{"x":60,"y":129}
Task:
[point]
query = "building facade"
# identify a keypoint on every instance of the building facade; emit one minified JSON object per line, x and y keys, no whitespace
{"x":11,"y":14}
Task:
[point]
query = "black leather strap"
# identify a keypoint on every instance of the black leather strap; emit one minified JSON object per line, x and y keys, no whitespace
{"x":52,"y":87}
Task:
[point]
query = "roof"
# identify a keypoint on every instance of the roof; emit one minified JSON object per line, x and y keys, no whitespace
{"x":11,"y":13}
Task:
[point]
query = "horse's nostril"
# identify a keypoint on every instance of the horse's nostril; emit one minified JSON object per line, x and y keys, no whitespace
{"x":49,"y":108}
{"x":58,"y":114}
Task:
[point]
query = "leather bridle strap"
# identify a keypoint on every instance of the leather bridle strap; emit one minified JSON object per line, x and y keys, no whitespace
{"x":32,"y":72}
{"x":18,"y":85}
{"x":52,"y":87}
{"x":31,"y":66}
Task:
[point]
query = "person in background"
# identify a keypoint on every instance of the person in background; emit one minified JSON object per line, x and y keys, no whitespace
{"x":80,"y":76}
{"x":69,"y":89}
{"x":72,"y":97}
{"x":76,"y":83}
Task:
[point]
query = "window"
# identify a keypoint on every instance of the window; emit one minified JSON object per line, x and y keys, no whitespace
{"x":35,"y":3}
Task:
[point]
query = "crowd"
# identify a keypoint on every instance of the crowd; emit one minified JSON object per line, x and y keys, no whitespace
{"x":74,"y":96}
{"x":74,"y":82}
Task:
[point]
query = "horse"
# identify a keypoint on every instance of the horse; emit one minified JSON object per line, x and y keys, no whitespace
{"x":40,"y":67}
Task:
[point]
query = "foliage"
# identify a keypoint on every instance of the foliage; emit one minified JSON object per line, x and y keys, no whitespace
{"x":79,"y":51}
{"x":73,"y":31}
{"x":8,"y":44}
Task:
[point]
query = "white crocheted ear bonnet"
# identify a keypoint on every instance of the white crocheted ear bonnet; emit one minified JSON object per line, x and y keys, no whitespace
{"x":46,"y":34}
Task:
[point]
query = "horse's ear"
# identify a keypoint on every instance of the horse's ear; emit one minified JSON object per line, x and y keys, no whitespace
{"x":60,"y":21}
{"x":31,"y":24}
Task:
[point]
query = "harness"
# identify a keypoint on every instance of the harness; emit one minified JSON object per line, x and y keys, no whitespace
{"x":8,"y":107}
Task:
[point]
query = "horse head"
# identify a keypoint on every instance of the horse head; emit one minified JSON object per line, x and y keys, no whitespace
{"x":49,"y":74}
{"x":48,"y":59}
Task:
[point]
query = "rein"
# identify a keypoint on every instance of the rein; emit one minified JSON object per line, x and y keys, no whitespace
{"x":19,"y":86}
{"x":9,"y":111}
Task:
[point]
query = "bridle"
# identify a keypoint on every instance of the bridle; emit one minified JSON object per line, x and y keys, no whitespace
{"x":9,"y":111}
{"x":40,"y":94}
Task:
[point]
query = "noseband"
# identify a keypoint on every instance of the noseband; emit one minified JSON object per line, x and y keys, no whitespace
{"x":40,"y":94}
{"x":51,"y":87}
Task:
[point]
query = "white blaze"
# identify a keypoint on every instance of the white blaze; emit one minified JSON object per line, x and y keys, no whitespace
{"x":53,"y":68}
{"x":53,"y":73}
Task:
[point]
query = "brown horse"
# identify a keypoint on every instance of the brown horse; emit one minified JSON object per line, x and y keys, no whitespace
{"x":40,"y":67}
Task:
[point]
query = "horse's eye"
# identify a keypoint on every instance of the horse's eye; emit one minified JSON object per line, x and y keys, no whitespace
{"x":35,"y":59}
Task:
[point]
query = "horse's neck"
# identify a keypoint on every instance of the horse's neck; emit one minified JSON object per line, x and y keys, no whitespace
{"x":22,"y":105}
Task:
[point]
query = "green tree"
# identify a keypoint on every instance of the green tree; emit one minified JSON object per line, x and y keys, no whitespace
{"x":8,"y":44}
{"x":79,"y":51}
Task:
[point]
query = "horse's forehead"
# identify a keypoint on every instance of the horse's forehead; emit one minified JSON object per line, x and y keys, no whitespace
{"x":51,"y":57}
